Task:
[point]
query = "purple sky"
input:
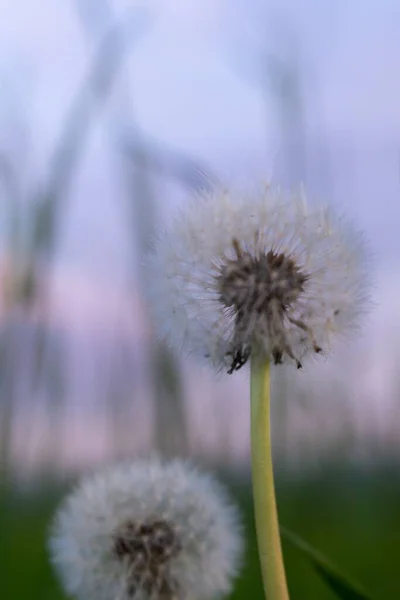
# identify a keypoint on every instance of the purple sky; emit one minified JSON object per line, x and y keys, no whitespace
{"x":187,"y":76}
{"x":190,"y":82}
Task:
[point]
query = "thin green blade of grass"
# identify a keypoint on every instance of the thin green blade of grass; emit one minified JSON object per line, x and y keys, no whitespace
{"x":341,"y":584}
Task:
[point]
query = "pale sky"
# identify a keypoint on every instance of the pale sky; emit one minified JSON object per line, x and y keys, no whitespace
{"x":190,"y":82}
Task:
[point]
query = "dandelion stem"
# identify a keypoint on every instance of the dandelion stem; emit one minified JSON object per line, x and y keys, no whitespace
{"x":266,"y":516}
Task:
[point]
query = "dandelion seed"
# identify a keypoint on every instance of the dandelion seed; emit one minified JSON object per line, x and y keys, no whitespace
{"x":237,"y":273}
{"x":145,"y":531}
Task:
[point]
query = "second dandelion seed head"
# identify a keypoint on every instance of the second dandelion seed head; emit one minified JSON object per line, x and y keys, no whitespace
{"x":147,"y":530}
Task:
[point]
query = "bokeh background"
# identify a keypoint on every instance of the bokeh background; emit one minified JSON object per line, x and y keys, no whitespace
{"x":112,"y":113}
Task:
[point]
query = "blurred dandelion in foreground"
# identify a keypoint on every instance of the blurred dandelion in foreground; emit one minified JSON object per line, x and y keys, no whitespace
{"x":235,"y":272}
{"x":147,"y":530}
{"x":263,"y":276}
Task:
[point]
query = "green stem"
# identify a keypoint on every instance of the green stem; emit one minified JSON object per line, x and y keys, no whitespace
{"x":266,"y":516}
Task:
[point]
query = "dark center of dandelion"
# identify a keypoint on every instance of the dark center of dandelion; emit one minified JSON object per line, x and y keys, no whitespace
{"x":147,"y":549}
{"x":260,"y":290}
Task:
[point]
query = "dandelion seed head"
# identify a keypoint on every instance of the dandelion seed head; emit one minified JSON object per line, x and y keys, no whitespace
{"x":147,"y":530}
{"x":236,"y":273}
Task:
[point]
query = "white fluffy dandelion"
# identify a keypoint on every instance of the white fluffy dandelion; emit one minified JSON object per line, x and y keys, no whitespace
{"x":147,"y":530}
{"x":236,"y":273}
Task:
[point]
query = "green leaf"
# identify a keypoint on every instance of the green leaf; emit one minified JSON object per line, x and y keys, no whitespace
{"x":342,"y":585}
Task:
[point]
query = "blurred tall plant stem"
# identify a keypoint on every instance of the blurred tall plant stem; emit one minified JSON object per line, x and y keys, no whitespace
{"x":33,"y":236}
{"x":164,"y":377}
{"x":145,"y":158}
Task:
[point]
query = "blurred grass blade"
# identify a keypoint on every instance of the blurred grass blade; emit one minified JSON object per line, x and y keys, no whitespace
{"x":189,"y":172}
{"x":342,"y":585}
{"x":92,"y":94}
{"x":11,"y":199}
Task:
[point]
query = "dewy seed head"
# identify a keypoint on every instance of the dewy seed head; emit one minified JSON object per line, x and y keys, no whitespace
{"x":261,"y":272}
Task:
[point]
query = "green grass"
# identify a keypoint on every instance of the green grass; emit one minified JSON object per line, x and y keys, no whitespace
{"x":353,"y":517}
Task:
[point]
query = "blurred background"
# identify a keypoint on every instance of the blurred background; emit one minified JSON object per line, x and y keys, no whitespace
{"x":112,"y":113}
